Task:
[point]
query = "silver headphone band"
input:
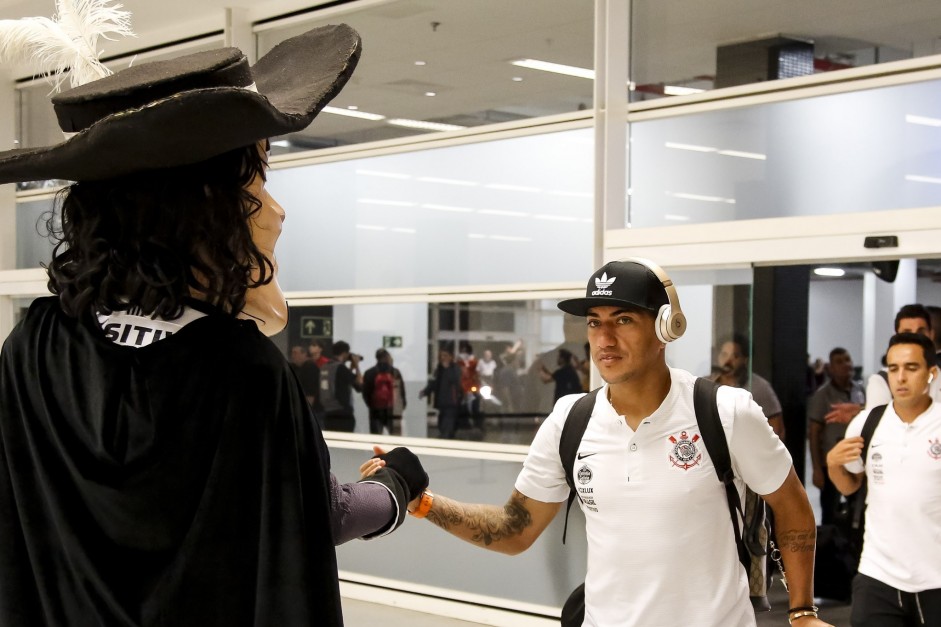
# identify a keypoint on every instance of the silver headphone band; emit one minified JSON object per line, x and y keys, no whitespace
{"x":664,"y":279}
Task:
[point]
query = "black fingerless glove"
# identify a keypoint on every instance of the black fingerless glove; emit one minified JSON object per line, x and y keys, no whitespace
{"x":408,"y":466}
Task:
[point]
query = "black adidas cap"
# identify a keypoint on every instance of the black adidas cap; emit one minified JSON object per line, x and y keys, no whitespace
{"x":620,"y":283}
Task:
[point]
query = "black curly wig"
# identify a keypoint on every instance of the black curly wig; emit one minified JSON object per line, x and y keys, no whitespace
{"x":154,"y":238}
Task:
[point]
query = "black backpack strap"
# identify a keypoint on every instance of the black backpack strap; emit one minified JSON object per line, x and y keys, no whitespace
{"x":572,"y":431}
{"x":869,"y":427}
{"x":710,"y":427}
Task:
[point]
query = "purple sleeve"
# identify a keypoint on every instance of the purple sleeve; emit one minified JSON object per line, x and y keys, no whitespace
{"x":360,"y":509}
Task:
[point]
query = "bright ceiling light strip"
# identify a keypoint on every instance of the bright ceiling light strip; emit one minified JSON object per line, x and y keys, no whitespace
{"x":675,"y":218}
{"x":402,"y":229}
{"x":512,"y":188}
{"x":350,"y":113}
{"x":387,"y":175}
{"x":281,"y":143}
{"x":692,"y":147}
{"x":915,"y":178}
{"x":744,"y":155}
{"x":382,"y":201}
{"x":829,"y":271}
{"x":924,"y":121}
{"x":447,"y":208}
{"x":435,"y":179}
{"x":701,"y":197}
{"x":677,"y":90}
{"x":425,"y":126}
{"x":555,"y":68}
{"x":370,"y":227}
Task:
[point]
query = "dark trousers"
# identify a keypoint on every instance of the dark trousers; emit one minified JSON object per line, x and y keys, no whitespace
{"x":447,"y":422}
{"x":379,"y":418}
{"x":876,"y":604}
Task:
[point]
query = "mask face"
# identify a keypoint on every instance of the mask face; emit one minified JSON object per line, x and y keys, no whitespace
{"x":265,"y":304}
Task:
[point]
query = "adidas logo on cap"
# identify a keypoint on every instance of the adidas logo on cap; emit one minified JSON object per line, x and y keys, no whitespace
{"x":603,"y":283}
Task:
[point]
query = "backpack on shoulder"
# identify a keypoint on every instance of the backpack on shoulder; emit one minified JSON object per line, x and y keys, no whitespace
{"x":383,"y":392}
{"x":750,"y":524}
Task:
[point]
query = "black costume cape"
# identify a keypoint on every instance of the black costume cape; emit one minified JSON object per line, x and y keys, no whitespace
{"x":177,"y":484}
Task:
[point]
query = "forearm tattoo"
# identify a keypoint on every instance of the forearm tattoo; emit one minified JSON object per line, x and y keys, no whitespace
{"x":486,"y":524}
{"x":797,"y":540}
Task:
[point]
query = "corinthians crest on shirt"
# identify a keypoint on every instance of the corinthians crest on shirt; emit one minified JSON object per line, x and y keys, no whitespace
{"x":685,"y":452}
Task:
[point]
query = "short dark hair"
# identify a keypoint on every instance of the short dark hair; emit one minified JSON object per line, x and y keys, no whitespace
{"x":565,"y":355}
{"x":340,"y":347}
{"x":152,"y":238}
{"x":381,"y":353}
{"x":926,"y":344}
{"x":838,"y":351}
{"x":912,"y":311}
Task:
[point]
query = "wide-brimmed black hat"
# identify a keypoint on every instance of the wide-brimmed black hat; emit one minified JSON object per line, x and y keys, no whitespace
{"x":185,"y":110}
{"x":620,"y":284}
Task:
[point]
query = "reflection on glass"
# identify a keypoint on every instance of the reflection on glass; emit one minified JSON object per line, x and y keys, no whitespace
{"x":796,"y":158}
{"x":516,"y":210}
{"x":678,"y":49}
{"x":503,"y":363}
{"x":449,"y":64}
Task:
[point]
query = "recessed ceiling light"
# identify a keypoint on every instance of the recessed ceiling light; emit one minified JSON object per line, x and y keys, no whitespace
{"x":353,"y":114}
{"x":836,"y":272}
{"x":517,"y":79}
{"x":425,"y":126}
{"x":353,"y":108}
{"x":557,"y":68}
{"x":281,"y":143}
{"x":420,"y":63}
{"x":430,"y":93}
{"x":677,"y":90}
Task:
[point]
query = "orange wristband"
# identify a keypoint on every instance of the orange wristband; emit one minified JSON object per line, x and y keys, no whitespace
{"x":424,"y":505}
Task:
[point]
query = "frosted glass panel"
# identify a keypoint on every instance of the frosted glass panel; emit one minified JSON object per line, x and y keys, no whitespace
{"x":871,"y":150}
{"x":510,"y":211}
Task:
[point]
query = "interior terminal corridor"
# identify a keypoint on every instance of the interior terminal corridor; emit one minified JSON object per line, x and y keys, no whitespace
{"x":780,"y":162}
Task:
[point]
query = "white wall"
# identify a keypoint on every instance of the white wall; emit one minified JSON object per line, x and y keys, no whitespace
{"x":835,"y":318}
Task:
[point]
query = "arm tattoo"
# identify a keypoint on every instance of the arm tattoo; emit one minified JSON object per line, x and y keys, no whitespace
{"x":796,"y":540}
{"x":486,"y":524}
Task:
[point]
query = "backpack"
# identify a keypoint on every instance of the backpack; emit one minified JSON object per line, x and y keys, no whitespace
{"x":839,"y":545}
{"x":383,"y":392}
{"x":751,"y":539}
{"x":328,"y":386}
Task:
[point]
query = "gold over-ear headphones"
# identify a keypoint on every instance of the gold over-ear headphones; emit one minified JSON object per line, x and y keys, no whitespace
{"x":670,"y":323}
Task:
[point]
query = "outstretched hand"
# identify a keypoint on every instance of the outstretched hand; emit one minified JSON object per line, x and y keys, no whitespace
{"x":372,"y":465}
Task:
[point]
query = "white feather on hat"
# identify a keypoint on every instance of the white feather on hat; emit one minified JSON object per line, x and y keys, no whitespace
{"x":66,"y":43}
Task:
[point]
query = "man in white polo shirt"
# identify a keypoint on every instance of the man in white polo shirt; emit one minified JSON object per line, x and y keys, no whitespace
{"x":661,"y":548}
{"x":899,"y":580}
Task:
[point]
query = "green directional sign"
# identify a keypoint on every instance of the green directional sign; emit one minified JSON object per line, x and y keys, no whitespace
{"x":316,"y":326}
{"x":392,"y":341}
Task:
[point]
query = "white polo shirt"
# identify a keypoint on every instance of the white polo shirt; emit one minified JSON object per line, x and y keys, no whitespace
{"x":902,"y":540}
{"x":661,"y":549}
